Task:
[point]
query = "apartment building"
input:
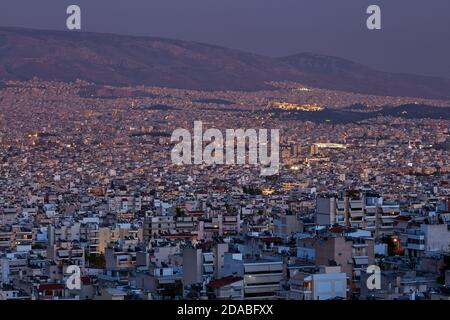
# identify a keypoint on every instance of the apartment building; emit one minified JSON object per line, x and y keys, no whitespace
{"x":428,"y":238}
{"x":287,"y":224}
{"x":356,"y":209}
{"x":324,"y":284}
{"x":24,"y":238}
{"x":193,"y":266}
{"x":108,"y":235}
{"x":8,"y":215}
{"x":117,"y":259}
{"x":261,"y":277}
{"x":6,"y":238}
{"x":229,"y":288}
{"x":353,"y":253}
{"x":157,"y":226}
{"x":66,"y":254}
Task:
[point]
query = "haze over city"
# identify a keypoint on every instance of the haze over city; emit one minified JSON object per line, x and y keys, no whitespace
{"x":414,"y":38}
{"x":245,"y":154}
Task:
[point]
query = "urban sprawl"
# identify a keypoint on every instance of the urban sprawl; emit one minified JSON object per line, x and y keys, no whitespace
{"x":86,"y":179}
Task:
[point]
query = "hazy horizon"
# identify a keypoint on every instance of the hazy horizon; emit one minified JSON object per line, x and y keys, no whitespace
{"x":273,"y":28}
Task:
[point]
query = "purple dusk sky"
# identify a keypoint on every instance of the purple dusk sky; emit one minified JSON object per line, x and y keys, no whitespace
{"x":415,"y":37}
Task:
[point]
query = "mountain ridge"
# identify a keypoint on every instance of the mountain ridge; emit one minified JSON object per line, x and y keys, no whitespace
{"x":111,"y":59}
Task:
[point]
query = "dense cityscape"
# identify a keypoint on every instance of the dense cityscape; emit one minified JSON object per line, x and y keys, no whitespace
{"x":86,"y":179}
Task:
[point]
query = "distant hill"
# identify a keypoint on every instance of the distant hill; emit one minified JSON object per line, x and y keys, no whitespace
{"x":345,"y":115}
{"x":128,"y":60}
{"x":340,"y":74}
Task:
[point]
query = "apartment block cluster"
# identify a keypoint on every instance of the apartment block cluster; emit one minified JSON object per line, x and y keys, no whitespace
{"x":225,"y":246}
{"x":87,"y":183}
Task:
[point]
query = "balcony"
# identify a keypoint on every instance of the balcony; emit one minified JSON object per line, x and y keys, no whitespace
{"x":360,"y":245}
{"x":416,"y":236}
{"x":356,"y":213}
{"x":414,"y":246}
{"x":361,"y":260}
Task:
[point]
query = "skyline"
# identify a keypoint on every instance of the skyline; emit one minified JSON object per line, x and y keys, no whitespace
{"x":269,"y":28}
{"x":231,"y":158}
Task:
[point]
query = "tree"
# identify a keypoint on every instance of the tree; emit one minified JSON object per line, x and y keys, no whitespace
{"x":96,"y":261}
{"x":180,"y":212}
